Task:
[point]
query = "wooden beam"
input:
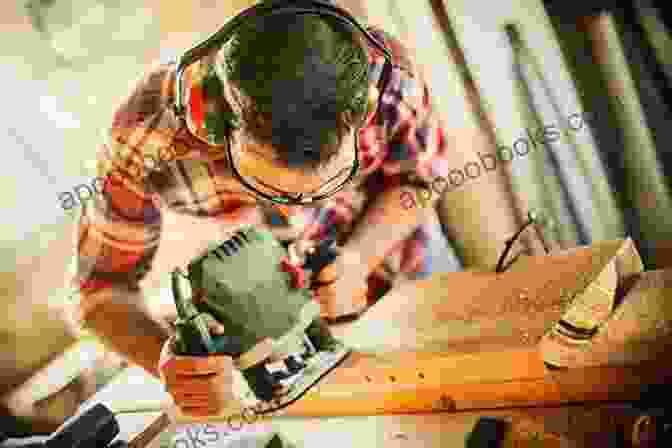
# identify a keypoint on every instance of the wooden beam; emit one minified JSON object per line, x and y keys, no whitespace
{"x":504,"y":379}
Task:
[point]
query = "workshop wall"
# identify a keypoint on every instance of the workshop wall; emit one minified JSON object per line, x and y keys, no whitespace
{"x":598,"y":74}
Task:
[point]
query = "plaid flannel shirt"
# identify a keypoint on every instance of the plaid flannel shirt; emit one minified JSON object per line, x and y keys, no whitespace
{"x":119,"y":231}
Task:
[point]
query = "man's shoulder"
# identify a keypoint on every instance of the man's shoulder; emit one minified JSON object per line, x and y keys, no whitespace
{"x":141,"y":125}
{"x":148,"y":95}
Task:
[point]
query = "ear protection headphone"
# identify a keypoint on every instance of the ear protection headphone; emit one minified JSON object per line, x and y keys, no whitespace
{"x":270,"y":8}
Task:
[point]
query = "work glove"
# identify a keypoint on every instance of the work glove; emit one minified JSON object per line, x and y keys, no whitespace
{"x":199,"y":385}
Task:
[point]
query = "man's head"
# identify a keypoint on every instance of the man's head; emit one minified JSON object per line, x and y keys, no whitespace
{"x":298,"y":86}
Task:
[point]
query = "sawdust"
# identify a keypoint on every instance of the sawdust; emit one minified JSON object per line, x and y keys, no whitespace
{"x":528,"y":294}
{"x":475,"y":310}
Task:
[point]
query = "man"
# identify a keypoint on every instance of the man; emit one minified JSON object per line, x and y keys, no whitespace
{"x":300,"y":87}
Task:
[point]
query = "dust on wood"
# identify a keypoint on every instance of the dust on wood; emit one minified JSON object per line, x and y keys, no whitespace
{"x":474,"y":310}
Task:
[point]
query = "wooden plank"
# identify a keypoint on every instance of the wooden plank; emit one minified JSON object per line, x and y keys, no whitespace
{"x":409,"y":385}
{"x":483,"y":381}
{"x":359,"y":405}
{"x":458,"y":383}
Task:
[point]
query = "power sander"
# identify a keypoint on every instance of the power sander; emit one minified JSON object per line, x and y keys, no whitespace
{"x":273,"y":328}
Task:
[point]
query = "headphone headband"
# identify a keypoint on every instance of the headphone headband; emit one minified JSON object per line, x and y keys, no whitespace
{"x":267,"y":9}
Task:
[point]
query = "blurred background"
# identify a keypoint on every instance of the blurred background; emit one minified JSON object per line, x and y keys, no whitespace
{"x":600,"y":74}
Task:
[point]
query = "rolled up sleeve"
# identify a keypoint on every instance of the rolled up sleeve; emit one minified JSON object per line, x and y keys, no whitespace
{"x":117,"y":235}
{"x":118,"y":232}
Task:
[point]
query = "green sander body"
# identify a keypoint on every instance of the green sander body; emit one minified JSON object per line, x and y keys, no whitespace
{"x":267,"y":319}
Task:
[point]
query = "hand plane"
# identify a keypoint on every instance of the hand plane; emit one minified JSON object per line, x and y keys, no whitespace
{"x":273,"y":329}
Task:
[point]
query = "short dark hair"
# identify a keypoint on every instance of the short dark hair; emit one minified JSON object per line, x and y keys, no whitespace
{"x":305,"y":79}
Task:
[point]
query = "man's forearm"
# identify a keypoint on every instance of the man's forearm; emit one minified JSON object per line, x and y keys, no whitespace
{"x":124,"y":324}
{"x":385,"y":223}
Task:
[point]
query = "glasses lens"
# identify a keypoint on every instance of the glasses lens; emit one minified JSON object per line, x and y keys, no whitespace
{"x":205,"y":104}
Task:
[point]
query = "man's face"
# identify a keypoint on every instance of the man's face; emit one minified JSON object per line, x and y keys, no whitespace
{"x":260,"y":166}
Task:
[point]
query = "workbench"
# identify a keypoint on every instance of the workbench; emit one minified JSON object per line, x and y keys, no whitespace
{"x":430,"y":359}
{"x":586,"y":424}
{"x":578,"y":425}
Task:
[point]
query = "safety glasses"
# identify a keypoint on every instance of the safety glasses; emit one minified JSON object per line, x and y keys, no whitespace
{"x":210,"y":120}
{"x":199,"y":105}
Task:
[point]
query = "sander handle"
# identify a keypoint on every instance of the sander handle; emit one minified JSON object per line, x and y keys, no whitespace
{"x":192,"y":333}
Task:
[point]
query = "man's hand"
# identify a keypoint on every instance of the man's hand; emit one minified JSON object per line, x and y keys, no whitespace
{"x":341,"y":286}
{"x":199,"y":385}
